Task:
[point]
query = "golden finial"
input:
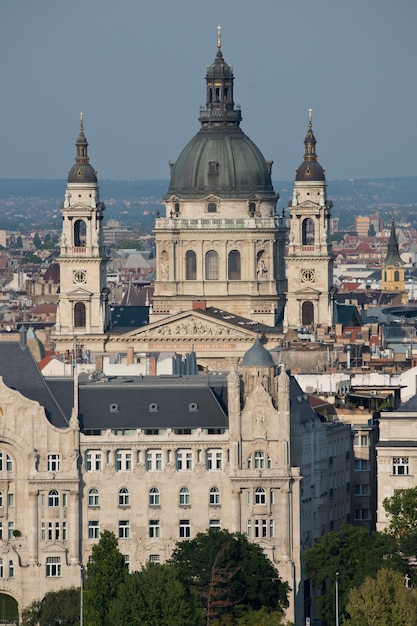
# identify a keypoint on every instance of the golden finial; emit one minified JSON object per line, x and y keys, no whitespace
{"x":219,"y":39}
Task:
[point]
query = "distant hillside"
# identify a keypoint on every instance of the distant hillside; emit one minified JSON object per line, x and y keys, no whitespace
{"x":29,"y":204}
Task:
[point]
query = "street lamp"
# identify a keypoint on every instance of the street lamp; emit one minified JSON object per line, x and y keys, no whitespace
{"x":337,"y":598}
{"x":82,"y":595}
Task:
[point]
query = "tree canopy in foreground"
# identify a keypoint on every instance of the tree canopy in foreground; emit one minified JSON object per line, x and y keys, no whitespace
{"x":382,"y":601}
{"x":228,"y":573}
{"x":354,"y":554}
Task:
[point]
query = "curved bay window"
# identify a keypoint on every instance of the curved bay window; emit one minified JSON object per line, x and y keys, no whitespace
{"x":233,"y":265}
{"x":190,"y":265}
{"x":308,"y":232}
{"x":212,"y":265}
{"x":80,"y":234}
{"x":307,"y":314}
{"x":79,"y":315}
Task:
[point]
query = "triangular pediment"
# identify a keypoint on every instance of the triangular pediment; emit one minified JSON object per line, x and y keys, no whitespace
{"x":79,"y":292}
{"x":306,"y":291}
{"x":80,"y":205}
{"x":307,"y":204}
{"x":192,"y":326}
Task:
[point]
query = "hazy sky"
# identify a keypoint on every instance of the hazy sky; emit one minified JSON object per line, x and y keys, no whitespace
{"x":136,"y":69}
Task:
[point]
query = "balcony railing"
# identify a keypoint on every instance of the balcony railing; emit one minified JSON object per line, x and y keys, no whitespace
{"x":176,"y":223}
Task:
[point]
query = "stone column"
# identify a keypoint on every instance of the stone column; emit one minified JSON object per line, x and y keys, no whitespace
{"x":33,"y":527}
{"x":236,"y":521}
{"x":74,"y":528}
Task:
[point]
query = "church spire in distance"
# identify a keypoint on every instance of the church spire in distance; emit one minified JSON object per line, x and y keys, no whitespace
{"x":220,"y":108}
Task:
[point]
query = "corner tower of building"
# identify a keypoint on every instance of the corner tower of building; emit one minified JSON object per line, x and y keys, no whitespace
{"x":83,"y":307}
{"x":220,"y":240}
{"x":309,"y":257}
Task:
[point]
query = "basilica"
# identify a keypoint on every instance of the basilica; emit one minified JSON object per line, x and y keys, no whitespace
{"x":235,"y":443}
{"x":224,"y":274}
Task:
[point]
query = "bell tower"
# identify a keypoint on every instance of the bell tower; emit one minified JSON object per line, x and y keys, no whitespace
{"x":83,"y":300}
{"x":309,"y":257}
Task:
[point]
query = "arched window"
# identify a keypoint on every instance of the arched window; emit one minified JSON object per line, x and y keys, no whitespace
{"x":308,"y":232}
{"x":154,"y":498}
{"x":307,"y":314}
{"x":260,"y":496}
{"x":185,"y":499}
{"x":190,"y":265}
{"x":93,"y":497}
{"x":80,"y":234}
{"x":124,"y":497}
{"x":212,"y":265}
{"x":396,"y":276}
{"x":214,"y":496}
{"x":8,"y":465}
{"x":53,"y":498}
{"x":233,"y":265}
{"x":79,"y":315}
{"x":259,"y":457}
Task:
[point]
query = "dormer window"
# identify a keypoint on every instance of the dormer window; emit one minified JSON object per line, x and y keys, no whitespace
{"x":212,"y":207}
{"x":192,"y":407}
{"x":213,"y":167}
{"x":153,"y":408}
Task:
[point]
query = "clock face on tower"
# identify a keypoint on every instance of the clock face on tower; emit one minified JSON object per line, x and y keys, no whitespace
{"x":79,"y":277}
{"x":308,"y":276}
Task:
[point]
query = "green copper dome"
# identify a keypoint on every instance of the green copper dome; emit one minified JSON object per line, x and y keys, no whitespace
{"x":222,"y":162}
{"x":220,"y":159}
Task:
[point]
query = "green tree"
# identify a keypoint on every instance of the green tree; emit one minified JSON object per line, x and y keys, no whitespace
{"x":37,"y":241}
{"x":58,"y":607}
{"x":402,"y":512}
{"x":226,"y":571}
{"x":106,"y":572}
{"x":382,"y":601}
{"x":152,"y":597}
{"x":355,"y":554}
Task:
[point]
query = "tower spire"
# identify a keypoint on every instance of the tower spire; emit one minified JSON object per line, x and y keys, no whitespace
{"x":219,"y":38}
{"x":310,"y":140}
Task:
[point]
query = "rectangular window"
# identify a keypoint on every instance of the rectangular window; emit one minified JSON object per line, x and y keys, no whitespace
{"x":10,"y":499}
{"x":362,"y":490}
{"x":154,"y":528}
{"x":271,"y":528}
{"x":93,"y":461}
{"x":42,"y":499}
{"x":124,"y":461}
{"x":154,"y":460}
{"x":362,"y":515}
{"x":43,"y":531}
{"x":94,"y":530}
{"x":53,"y":463}
{"x":361,"y":440}
{"x":64,"y":499}
{"x":1,"y":568}
{"x":400,"y":466}
{"x":124,"y":529}
{"x":50,"y":531}
{"x":185,"y":529}
{"x":127,"y":562}
{"x":184,"y":460}
{"x":361,"y":465}
{"x":154,"y":558}
{"x":64,"y":531}
{"x":57,"y":531}
{"x":53,"y":566}
{"x":10,"y":529}
{"x":9,"y":463}
{"x":215,"y":523}
{"x":11,"y":569}
{"x":249,"y":528}
{"x":214,"y":460}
